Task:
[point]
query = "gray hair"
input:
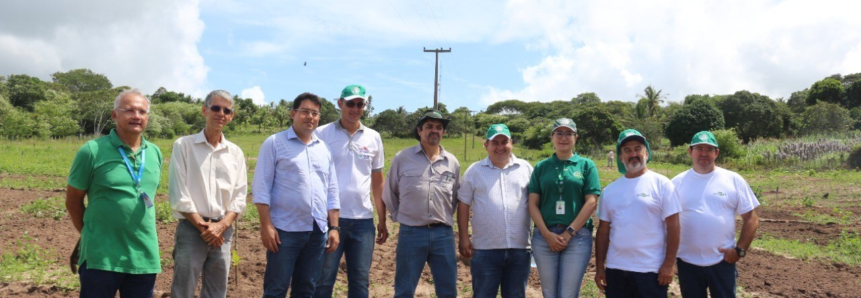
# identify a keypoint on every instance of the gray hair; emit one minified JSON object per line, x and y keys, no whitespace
{"x":220,"y":93}
{"x":131,"y":91}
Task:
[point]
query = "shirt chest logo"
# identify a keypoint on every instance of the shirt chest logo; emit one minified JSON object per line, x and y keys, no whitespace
{"x":643,"y":195}
{"x":578,"y":175}
{"x":720,"y":194}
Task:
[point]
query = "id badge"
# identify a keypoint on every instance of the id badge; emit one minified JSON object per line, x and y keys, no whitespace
{"x":560,"y":207}
{"x":146,"y":200}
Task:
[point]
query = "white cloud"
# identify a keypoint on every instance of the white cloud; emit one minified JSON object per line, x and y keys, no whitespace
{"x":255,"y":94}
{"x":142,"y":44}
{"x":617,"y":48}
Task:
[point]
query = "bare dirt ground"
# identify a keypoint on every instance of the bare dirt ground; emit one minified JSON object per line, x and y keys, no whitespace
{"x":761,"y":273}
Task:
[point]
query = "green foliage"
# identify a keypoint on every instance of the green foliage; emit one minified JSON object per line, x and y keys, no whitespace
{"x":25,"y":91}
{"x":798,"y":101}
{"x":752,"y":115}
{"x":584,"y":98}
{"x":596,"y":126}
{"x":55,"y":113}
{"x":162,"y":95}
{"x":29,"y":262}
{"x":54,"y":207}
{"x":82,"y":80}
{"x":729,"y":144}
{"x":827,"y":90}
{"x":653,"y":99}
{"x":824,"y":117}
{"x":163,"y":213}
{"x":854,"y":160}
{"x":853,"y":95}
{"x":692,"y":118}
{"x":393,"y":122}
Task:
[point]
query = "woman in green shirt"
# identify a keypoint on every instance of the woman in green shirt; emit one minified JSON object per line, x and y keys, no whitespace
{"x":563,"y":194}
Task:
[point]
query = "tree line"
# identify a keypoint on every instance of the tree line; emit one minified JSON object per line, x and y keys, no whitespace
{"x":78,"y":102}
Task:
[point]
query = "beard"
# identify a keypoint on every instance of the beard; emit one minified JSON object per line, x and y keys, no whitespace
{"x":635,"y":165}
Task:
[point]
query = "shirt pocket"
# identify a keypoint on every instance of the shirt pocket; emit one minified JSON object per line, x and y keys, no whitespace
{"x":412,"y":184}
{"x":445,"y":182}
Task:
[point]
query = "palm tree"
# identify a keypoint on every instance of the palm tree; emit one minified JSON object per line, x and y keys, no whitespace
{"x":653,"y":99}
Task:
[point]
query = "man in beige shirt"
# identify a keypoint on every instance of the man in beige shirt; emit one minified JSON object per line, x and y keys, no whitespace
{"x":208,"y":186}
{"x":420,"y":194}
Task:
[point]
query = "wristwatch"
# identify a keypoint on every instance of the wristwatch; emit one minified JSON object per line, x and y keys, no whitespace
{"x":571,"y":230}
{"x":740,"y":252}
{"x":336,"y":228}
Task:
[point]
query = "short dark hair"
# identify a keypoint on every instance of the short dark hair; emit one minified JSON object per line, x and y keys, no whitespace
{"x":306,"y":96}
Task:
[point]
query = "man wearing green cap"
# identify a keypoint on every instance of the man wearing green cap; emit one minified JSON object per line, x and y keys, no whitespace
{"x":711,"y":197}
{"x":357,"y":151}
{"x":496,"y":189}
{"x":421,"y":195}
{"x":638,"y":233}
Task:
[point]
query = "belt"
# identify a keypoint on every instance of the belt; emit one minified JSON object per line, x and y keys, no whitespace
{"x":431,"y":225}
{"x":209,"y":219}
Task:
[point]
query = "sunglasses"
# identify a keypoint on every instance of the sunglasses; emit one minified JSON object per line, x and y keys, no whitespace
{"x":215,"y":108}
{"x":353,"y":104}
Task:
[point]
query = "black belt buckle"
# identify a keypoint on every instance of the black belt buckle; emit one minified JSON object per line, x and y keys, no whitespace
{"x":207,"y":219}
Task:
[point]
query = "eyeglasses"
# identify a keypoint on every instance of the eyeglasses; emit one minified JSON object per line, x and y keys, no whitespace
{"x":353,"y":104}
{"x":705,"y":149}
{"x":216,"y":108}
{"x":566,"y":134}
{"x":133,"y":112}
{"x":307,"y":112}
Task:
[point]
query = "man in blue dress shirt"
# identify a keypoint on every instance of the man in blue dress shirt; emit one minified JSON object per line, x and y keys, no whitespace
{"x":296,"y":192}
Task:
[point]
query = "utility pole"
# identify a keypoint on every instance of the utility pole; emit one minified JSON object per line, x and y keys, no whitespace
{"x":436,"y":74}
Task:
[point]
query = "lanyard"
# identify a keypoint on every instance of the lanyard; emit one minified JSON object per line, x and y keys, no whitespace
{"x":560,"y":179}
{"x":135,"y":178}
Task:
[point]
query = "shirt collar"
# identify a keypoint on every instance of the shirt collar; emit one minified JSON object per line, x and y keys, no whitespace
{"x":418,"y":149}
{"x":487,"y":163}
{"x":573,"y":159}
{"x":116,"y":142}
{"x":201,"y":138}
{"x":291,"y":134}
{"x":339,"y":126}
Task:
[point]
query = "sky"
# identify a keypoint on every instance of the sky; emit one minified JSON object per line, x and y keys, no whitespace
{"x":531,"y":50}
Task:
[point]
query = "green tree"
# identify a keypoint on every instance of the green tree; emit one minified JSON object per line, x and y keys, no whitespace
{"x":596,"y":126}
{"x":653,"y":98}
{"x":827,"y":90}
{"x":94,"y":109}
{"x":797,"y":102}
{"x":855,"y":113}
{"x":57,"y":112}
{"x":508,"y":107}
{"x":392,"y":122}
{"x":25,"y":91}
{"x":162,"y":95}
{"x":82,"y":80}
{"x":825,"y":117}
{"x":328,"y":112}
{"x":752,"y":115}
{"x":853,"y":95}
{"x":691,"y":118}
{"x":282,"y":114}
{"x":584,"y":98}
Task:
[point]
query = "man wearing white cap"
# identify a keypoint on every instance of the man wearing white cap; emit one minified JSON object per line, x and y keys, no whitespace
{"x":638,"y":234}
{"x":496,"y":189}
{"x":711,"y":197}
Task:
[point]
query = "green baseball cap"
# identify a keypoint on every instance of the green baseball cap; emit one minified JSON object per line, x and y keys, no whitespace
{"x":564,"y":122}
{"x":430,"y":115}
{"x":497,"y":129}
{"x":628,"y":135}
{"x":352,"y":92}
{"x":704,"y":137}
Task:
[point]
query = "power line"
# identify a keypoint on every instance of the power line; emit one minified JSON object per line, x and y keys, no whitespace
{"x":426,"y":25}
{"x":436,"y":75}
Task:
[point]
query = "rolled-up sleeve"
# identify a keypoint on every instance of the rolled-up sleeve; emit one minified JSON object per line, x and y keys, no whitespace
{"x":264,"y":172}
{"x":178,"y":192}
{"x":240,"y":194}
{"x":333,"y":199}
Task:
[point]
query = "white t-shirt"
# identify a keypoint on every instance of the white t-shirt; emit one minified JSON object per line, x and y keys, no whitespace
{"x":636,"y":209}
{"x":355,"y":158}
{"x":710,"y":203}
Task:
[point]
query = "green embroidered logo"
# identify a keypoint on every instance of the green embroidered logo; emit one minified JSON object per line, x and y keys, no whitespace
{"x":720,"y":194}
{"x":578,"y":175}
{"x":642,"y":195}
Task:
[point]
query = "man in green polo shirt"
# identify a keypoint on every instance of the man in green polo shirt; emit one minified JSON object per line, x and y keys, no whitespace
{"x":119,"y":174}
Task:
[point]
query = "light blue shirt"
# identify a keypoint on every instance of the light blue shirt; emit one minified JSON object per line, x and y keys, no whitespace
{"x":297,"y":181}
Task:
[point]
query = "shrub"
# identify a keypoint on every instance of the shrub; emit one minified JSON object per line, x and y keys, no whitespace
{"x":729,"y":144}
{"x":854,"y":161}
{"x":692,"y":118}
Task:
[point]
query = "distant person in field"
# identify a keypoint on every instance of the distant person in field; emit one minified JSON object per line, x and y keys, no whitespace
{"x":495,"y":188}
{"x":563,"y":194}
{"x":208,"y":187}
{"x":610,"y":157}
{"x":295,"y":189}
{"x":421,"y":195}
{"x":357,"y":151}
{"x":638,"y":233}
{"x":119,"y":174}
{"x":711,"y":197}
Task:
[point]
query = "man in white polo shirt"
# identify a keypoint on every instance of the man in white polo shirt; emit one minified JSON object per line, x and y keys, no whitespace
{"x":496,"y":189}
{"x":638,"y":234}
{"x":358,"y":155}
{"x":711,"y":197}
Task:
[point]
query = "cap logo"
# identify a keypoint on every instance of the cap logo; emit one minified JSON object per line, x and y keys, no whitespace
{"x":355,"y":90}
{"x":704,"y":137}
{"x":499,"y":128}
{"x":629,"y":134}
{"x":564,"y":121}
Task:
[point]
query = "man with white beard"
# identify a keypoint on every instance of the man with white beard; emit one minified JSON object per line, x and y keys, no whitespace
{"x":638,"y":233}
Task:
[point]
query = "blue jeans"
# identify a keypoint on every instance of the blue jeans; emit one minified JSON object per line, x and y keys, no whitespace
{"x":357,"y":243}
{"x":495,"y":269}
{"x":621,"y":283}
{"x":105,"y":284}
{"x":299,"y":257}
{"x":431,"y":245}
{"x":193,"y":257}
{"x":718,"y":279}
{"x":561,"y":273}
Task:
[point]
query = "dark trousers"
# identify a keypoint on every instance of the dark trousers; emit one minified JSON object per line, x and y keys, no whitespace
{"x":718,"y":279}
{"x":105,"y":284}
{"x":623,"y":284}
